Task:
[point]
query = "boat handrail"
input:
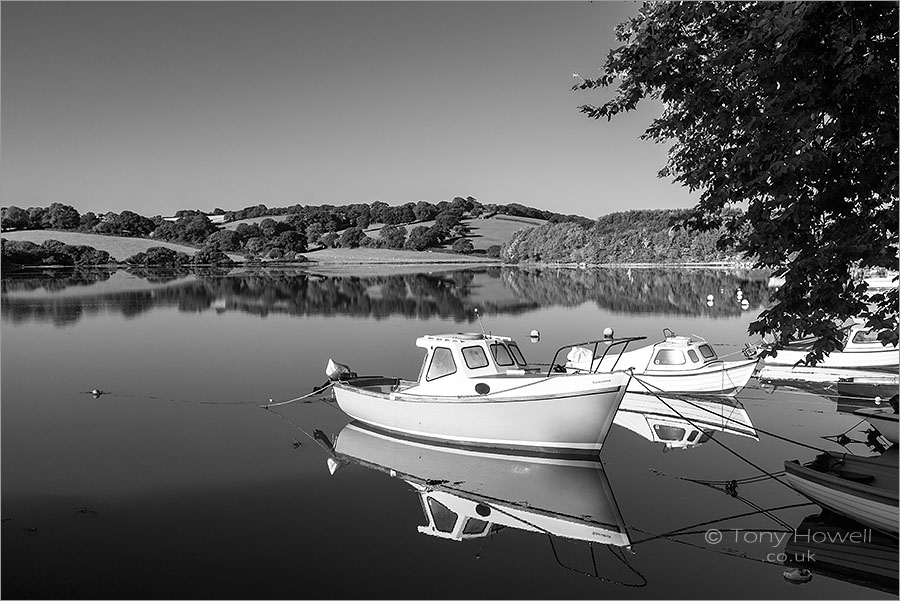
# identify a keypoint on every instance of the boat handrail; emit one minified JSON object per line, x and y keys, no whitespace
{"x":609,"y":342}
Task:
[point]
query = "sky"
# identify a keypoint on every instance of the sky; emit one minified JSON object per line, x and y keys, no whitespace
{"x":160,"y":106}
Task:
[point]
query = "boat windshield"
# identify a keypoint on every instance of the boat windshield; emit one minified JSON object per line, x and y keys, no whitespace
{"x":707,"y":351}
{"x":501,"y":354}
{"x":517,"y":354}
{"x":865,"y":337}
{"x":444,"y":519}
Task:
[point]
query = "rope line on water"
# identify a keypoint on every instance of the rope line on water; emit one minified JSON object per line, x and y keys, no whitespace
{"x":315,"y":391}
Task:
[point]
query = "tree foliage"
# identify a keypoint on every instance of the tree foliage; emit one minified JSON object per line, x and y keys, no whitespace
{"x":790,"y":111}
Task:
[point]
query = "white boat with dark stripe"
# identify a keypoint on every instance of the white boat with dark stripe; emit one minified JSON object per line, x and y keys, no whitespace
{"x":478,"y":390}
{"x":860,"y":349}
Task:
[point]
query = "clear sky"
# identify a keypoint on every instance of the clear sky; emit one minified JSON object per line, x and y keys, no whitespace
{"x":160,"y":106}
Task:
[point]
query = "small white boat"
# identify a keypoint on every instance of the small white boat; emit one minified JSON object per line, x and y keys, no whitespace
{"x":675,"y":364}
{"x":860,"y":349}
{"x":883,"y":419}
{"x":467,"y":494}
{"x":853,"y":381}
{"x":478,"y":390}
{"x":863,"y":489}
{"x":682,"y":422}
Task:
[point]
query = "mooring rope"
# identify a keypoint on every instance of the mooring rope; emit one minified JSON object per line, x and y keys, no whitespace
{"x":315,"y":391}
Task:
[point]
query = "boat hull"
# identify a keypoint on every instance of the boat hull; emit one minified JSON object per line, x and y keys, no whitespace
{"x":883,"y":358}
{"x":722,"y":378}
{"x":576,"y":421}
{"x":874,"y":506}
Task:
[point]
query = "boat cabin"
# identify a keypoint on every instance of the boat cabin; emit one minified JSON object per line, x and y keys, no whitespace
{"x":859,"y":338}
{"x":681,"y":352}
{"x":673,"y":354}
{"x":467,"y":356}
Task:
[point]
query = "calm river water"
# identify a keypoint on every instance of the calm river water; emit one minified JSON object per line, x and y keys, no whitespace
{"x":175,"y":482}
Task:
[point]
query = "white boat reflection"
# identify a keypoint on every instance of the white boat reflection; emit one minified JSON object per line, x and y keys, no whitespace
{"x":468,"y":494}
{"x":683,"y":421}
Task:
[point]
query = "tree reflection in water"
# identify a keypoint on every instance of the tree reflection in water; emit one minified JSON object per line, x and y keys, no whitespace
{"x":448,"y":295}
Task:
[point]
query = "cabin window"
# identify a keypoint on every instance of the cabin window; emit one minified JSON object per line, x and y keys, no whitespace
{"x":669,"y":432}
{"x":501,"y":354}
{"x":444,"y":519}
{"x":864,"y":336}
{"x":474,"y":526}
{"x":669,"y":357}
{"x":693,"y":436}
{"x":442,"y":364}
{"x":707,"y":351}
{"x":517,"y":354}
{"x":693,"y":355}
{"x":474,"y":357}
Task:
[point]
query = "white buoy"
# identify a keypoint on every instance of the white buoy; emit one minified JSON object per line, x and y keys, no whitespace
{"x":535,"y":335}
{"x":608,"y":332}
{"x":709,"y":303}
{"x":710,"y":298}
{"x":745,"y":304}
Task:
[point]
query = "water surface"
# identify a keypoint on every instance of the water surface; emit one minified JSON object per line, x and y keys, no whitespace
{"x":175,"y":482}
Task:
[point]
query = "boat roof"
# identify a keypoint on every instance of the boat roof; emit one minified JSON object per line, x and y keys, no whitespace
{"x":429,"y":339}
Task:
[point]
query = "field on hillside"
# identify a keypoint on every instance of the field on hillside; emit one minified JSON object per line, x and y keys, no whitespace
{"x":117,"y":247}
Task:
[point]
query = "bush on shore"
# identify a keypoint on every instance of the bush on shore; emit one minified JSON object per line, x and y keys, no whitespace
{"x":51,"y":252}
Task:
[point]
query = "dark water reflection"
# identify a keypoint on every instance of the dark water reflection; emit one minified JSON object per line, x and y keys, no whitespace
{"x":450,"y":294}
{"x":177,"y":483}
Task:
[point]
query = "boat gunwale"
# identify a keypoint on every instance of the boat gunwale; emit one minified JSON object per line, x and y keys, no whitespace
{"x":401,"y":397}
{"x":843,"y":485}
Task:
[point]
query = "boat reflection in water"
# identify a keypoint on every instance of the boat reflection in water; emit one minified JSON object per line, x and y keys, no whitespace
{"x":839,"y":548}
{"x":682,"y":421}
{"x":468,"y":494}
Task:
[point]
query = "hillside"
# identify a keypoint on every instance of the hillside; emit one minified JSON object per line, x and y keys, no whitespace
{"x":483,"y":233}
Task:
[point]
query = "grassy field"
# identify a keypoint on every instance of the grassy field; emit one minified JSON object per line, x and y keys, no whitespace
{"x":117,"y":247}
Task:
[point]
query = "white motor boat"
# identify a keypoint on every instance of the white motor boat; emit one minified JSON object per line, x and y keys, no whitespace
{"x":478,"y":390}
{"x":675,"y":364}
{"x":860,"y":349}
{"x":467,"y":494}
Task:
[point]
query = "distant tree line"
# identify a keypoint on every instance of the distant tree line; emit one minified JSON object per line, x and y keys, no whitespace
{"x":644,"y":236}
{"x":21,"y":253}
{"x":632,"y":236}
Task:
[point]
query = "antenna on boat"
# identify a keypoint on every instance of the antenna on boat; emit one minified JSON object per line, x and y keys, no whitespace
{"x":478,"y":315}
